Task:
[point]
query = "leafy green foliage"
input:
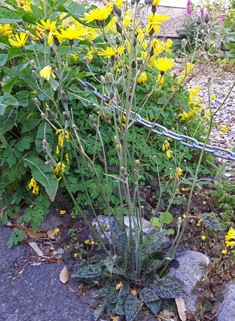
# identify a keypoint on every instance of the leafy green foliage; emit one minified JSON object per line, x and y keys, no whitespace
{"x":211,"y":221}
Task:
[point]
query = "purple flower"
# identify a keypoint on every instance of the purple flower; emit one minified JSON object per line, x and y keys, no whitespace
{"x":222,"y":18}
{"x":202,"y":12}
{"x":188,"y":7}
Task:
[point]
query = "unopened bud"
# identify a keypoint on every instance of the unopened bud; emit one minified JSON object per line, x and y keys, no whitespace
{"x":86,"y":60}
{"x":119,"y":13}
{"x":115,"y":7}
{"x":134,"y":42}
{"x":154,"y":157}
{"x":176,"y":117}
{"x":185,"y":129}
{"x":66,"y":115}
{"x":207,"y":18}
{"x":118,"y":41}
{"x":32,"y":65}
{"x":74,"y":126}
{"x":56,"y":41}
{"x":222,"y":55}
{"x":64,"y":97}
{"x":123,"y":170}
{"x":133,"y":64}
{"x":36,"y":76}
{"x":179,"y":221}
{"x":183,"y":42}
{"x":41,"y":40}
{"x":151,"y":52}
{"x":137,"y":163}
{"x":199,"y":21}
{"x":102,"y":80}
{"x":223,"y":46}
{"x":50,"y":113}
{"x":132,"y":2}
{"x":109,"y":78}
{"x":52,"y":53}
{"x":207,"y":46}
{"x":43,"y":115}
{"x":111,"y":94}
{"x":36,"y":101}
{"x":91,"y":119}
{"x":203,"y":113}
{"x":115,"y":139}
{"x":154,"y":9}
{"x":45,"y":144}
{"x":119,"y":28}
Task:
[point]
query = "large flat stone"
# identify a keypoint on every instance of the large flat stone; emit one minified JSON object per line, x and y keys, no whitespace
{"x":228,"y":310}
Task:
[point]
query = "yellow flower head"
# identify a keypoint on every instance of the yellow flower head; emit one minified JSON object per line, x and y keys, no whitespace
{"x":165,"y":145}
{"x":224,"y":251}
{"x":203,"y":237}
{"x":164,"y":65}
{"x":110,"y":52}
{"x":75,"y":255}
{"x":119,"y":285}
{"x":169,"y":154}
{"x":62,"y":212}
{"x":213,"y":97}
{"x":160,"y":81}
{"x":33,"y":184}
{"x":229,"y":237}
{"x":19,"y":41}
{"x":142,"y":78}
{"x":73,"y":32}
{"x":57,"y":168}
{"x":57,"y":230}
{"x":97,"y":14}
{"x":46,"y":72}
{"x":178,"y":172}
{"x":87,"y":241}
{"x":155,"y":21}
{"x":156,"y":2}
{"x":48,"y":26}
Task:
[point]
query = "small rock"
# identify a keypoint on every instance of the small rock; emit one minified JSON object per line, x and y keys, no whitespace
{"x":190,"y":272}
{"x":228,"y":310}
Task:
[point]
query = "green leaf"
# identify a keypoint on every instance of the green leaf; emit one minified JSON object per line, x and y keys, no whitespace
{"x":14,"y":52}
{"x":98,"y":311}
{"x":132,"y":307}
{"x":88,"y":272}
{"x":3,"y":59}
{"x":30,"y":81}
{"x":169,"y":287}
{"x":30,"y":124}
{"x":7,"y":16}
{"x":155,"y":264}
{"x":211,"y":221}
{"x":5,"y":101}
{"x":22,"y":97}
{"x":43,"y":174}
{"x":155,"y":222}
{"x":11,"y":160}
{"x":152,"y":244}
{"x":122,"y":296}
{"x":44,"y":132}
{"x":7,"y":121}
{"x":147,"y":295}
{"x":13,"y":75}
{"x":142,"y":315}
{"x":154,"y":306}
{"x":170,"y":231}
{"x":161,"y":101}
{"x":220,"y":169}
{"x":166,"y":217}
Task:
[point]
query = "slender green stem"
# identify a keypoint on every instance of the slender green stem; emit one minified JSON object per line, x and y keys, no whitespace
{"x":3,"y":139}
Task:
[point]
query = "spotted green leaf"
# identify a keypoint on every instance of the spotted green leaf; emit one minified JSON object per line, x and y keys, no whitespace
{"x":122,"y":296}
{"x":147,"y":295}
{"x":154,"y":306}
{"x":152,"y":244}
{"x":169,"y":287}
{"x":88,"y":272}
{"x":132,"y":307}
{"x":211,"y":221}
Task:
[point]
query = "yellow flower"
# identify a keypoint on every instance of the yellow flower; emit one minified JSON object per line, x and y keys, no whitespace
{"x":224,"y":251}
{"x":184,"y":216}
{"x":97,"y":14}
{"x":160,"y":81}
{"x":61,"y":137}
{"x":73,"y":32}
{"x":183,"y":189}
{"x":155,"y":21}
{"x":156,"y":2}
{"x":50,"y":27}
{"x":229,"y":237}
{"x":58,"y":179}
{"x":33,"y":184}
{"x":223,"y":130}
{"x":203,"y":237}
{"x":178,"y":172}
{"x":75,"y":255}
{"x":169,"y":154}
{"x":164,"y":65}
{"x":89,"y":55}
{"x":165,"y":145}
{"x":204,"y":202}
{"x":87,"y":241}
{"x":133,"y":292}
{"x":142,"y":78}
{"x":62,"y":212}
{"x":110,"y":52}
{"x":67,"y":158}
{"x":213,"y":97}
{"x":46,"y":72}
{"x":57,"y":230}
{"x":119,"y":285}
{"x":19,"y":41}
{"x":57,"y":150}
{"x":57,"y":169}
{"x":96,"y":282}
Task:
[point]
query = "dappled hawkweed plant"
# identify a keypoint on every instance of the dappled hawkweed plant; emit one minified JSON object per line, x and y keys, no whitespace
{"x":133,"y":265}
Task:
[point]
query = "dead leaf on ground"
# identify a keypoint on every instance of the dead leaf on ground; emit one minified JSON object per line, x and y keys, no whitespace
{"x":64,"y":275}
{"x":36,"y":248}
{"x":8,"y":224}
{"x":35,"y":235}
{"x":166,"y":315}
{"x":1,"y":211}
{"x":70,"y":289}
{"x":51,"y":234}
{"x":181,"y":308}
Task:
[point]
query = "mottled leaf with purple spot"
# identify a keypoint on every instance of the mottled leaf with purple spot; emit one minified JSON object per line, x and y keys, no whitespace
{"x":88,"y":272}
{"x":122,"y":296}
{"x":154,"y":306}
{"x":132,"y":307}
{"x":169,"y":287}
{"x":147,"y":295}
{"x":211,"y":221}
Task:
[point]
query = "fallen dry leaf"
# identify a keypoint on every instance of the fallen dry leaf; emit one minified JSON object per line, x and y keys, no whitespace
{"x":36,"y":248}
{"x":8,"y":224}
{"x":35,"y":235}
{"x":70,"y":289}
{"x":181,"y":308}
{"x":166,"y":315}
{"x":64,"y":275}
{"x":51,"y":234}
{"x":1,"y":211}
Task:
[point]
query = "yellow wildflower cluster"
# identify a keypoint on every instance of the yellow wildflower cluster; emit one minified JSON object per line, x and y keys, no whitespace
{"x":185,"y":115}
{"x":223,"y":130}
{"x":18,"y":40}
{"x":61,"y":137}
{"x":165,"y":145}
{"x":5,"y":30}
{"x":142,"y":78}
{"x":178,"y":172}
{"x":169,"y":153}
{"x":160,"y":81}
{"x":33,"y":184}
{"x":186,"y":72}
{"x":25,"y":4}
{"x":57,"y":168}
{"x":199,"y":222}
{"x":192,"y":111}
{"x":230,"y":237}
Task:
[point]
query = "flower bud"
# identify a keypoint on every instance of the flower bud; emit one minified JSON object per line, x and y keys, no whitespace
{"x":154,"y":9}
{"x":199,"y":21}
{"x":119,"y":28}
{"x":95,"y":122}
{"x":222,"y":55}
{"x":183,"y":42}
{"x":45,"y":144}
{"x":64,"y":97}
{"x":207,"y":18}
{"x":91,"y":119}
{"x":66,"y":115}
{"x":179,"y":221}
{"x":223,"y":46}
{"x":41,"y":40}
{"x":151,"y":52}
{"x":119,"y":13}
{"x":109,"y":78}
{"x":137,"y":163}
{"x":207,"y":46}
{"x":52,"y":53}
{"x":120,"y":81}
{"x":36,"y":76}
{"x":139,"y":62}
{"x":32,"y":65}
{"x":115,"y":7}
{"x":102,"y":80}
{"x":123,"y":170}
{"x":132,"y":2}
{"x":133,"y":64}
{"x":43,"y":115}
{"x":118,"y":41}
{"x":134,"y":42}
{"x":111,"y":94}
{"x":115,"y":139}
{"x":176,"y":117}
{"x":56,"y":41}
{"x":74,"y":126}
{"x":203,"y":113}
{"x":36,"y":101}
{"x":50,"y":113}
